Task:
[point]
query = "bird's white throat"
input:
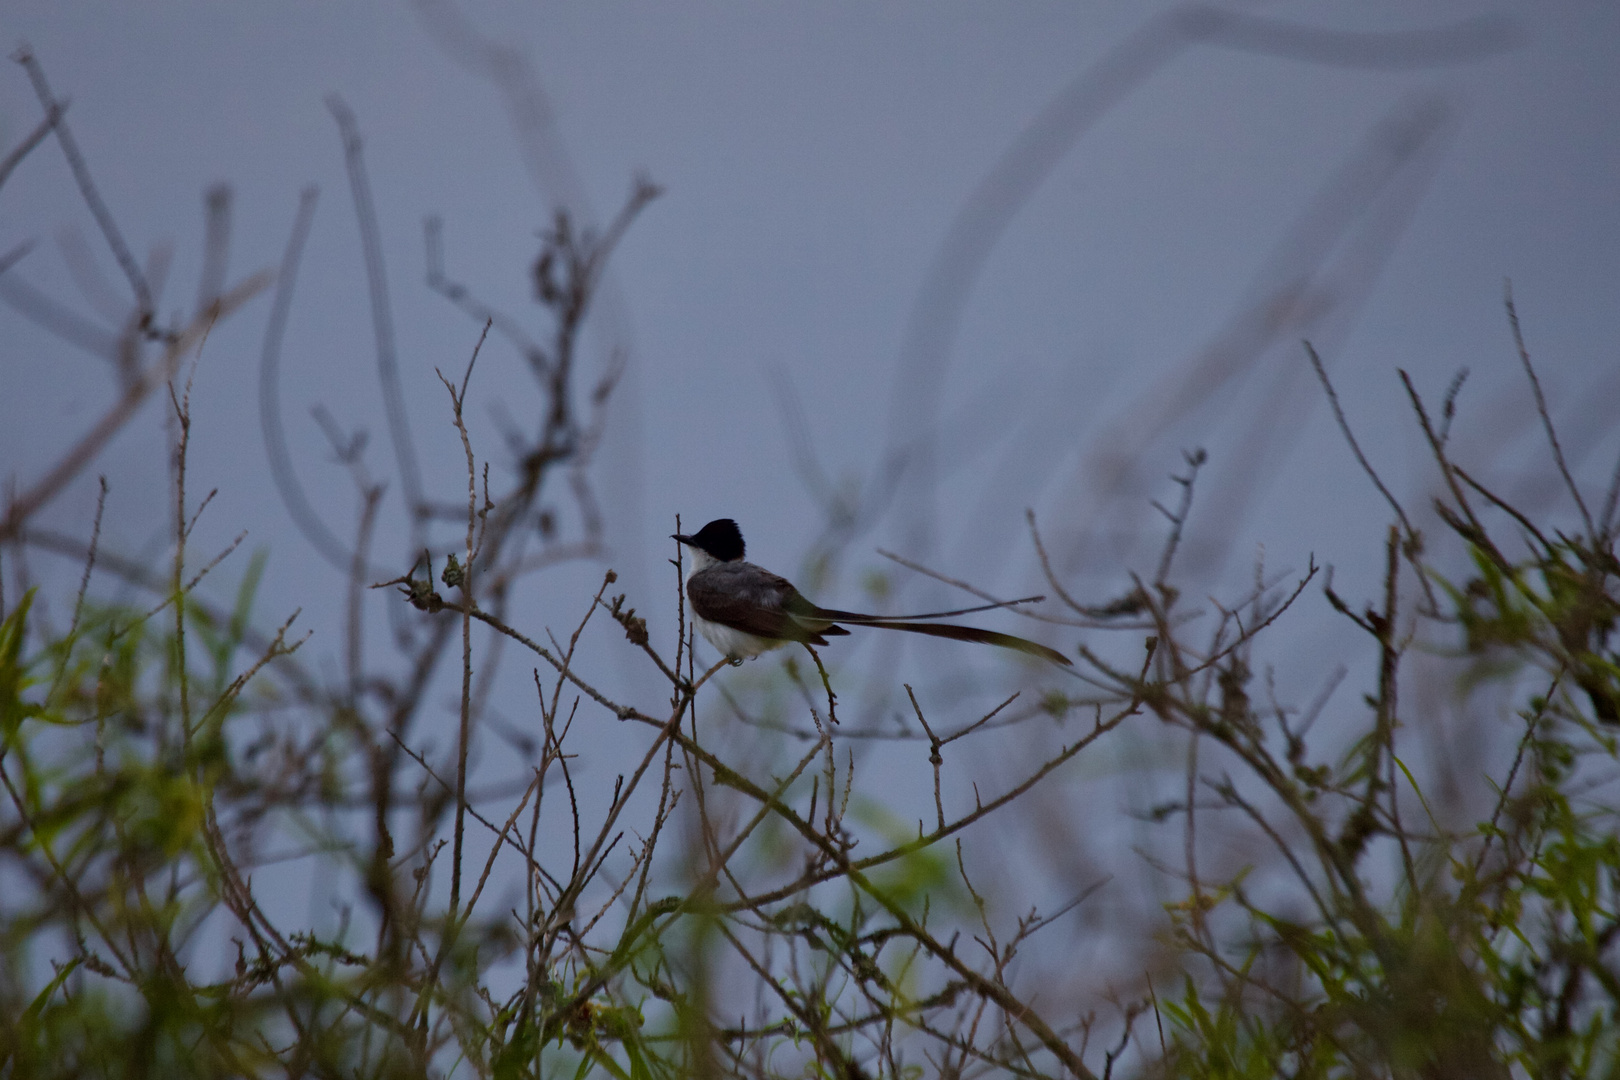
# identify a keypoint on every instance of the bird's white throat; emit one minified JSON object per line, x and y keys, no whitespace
{"x":701,"y":561}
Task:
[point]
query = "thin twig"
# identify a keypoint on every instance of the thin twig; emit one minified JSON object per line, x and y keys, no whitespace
{"x":1350,"y":437}
{"x":53,"y":113}
{"x":934,"y":757}
{"x":87,"y":187}
{"x":100,"y":433}
{"x":84,"y":587}
{"x":303,"y":514}
{"x":382,"y":319}
{"x":1103,"y":613}
{"x":1178,"y":520}
{"x":1541,"y":408}
{"x":465,"y":584}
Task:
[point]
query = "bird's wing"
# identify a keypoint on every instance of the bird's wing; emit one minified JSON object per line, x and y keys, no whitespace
{"x":744,"y":597}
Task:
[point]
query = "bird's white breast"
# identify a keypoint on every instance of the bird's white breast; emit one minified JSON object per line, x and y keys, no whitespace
{"x":737,"y":644}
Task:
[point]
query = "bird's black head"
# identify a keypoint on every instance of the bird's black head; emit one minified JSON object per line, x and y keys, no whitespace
{"x":720,"y":538}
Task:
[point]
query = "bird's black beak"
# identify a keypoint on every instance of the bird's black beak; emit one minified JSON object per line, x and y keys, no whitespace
{"x":682,"y":537}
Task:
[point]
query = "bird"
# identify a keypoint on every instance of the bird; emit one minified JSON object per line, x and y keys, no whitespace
{"x":744,"y":610}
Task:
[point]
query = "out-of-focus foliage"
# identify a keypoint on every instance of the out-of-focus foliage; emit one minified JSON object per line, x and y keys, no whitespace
{"x":1487,"y":950}
{"x":140,"y":790}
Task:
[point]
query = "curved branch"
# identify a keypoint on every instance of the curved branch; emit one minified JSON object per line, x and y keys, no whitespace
{"x":321,"y":538}
{"x":984,"y":217}
{"x":382,"y":319}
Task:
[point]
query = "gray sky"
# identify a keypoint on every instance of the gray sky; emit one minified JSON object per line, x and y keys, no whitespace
{"x":814,"y":157}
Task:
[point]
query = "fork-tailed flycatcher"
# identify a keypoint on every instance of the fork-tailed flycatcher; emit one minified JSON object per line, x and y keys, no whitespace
{"x":744,"y":610}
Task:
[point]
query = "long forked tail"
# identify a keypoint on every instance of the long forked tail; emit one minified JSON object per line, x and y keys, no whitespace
{"x":973,"y":633}
{"x":866,"y":620}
